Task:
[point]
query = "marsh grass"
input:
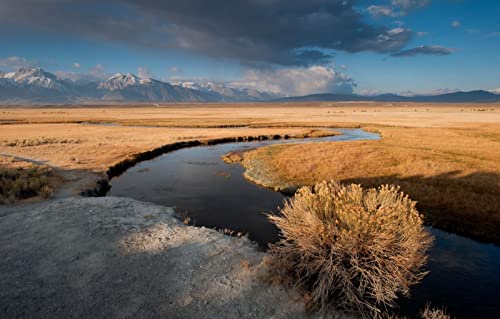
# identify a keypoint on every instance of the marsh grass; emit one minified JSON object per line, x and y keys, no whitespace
{"x":349,"y":248}
{"x":24,"y":182}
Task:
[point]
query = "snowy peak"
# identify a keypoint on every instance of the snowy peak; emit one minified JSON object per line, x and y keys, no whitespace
{"x":32,"y":76}
{"x":227,"y":92}
{"x":120,"y":81}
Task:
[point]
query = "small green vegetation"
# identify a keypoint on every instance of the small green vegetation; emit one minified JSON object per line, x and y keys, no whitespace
{"x":24,"y":182}
{"x":349,"y":248}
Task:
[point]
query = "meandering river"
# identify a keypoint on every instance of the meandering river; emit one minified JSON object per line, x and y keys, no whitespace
{"x":464,"y":274}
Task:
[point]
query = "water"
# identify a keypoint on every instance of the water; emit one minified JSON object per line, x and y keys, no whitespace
{"x":214,"y":194}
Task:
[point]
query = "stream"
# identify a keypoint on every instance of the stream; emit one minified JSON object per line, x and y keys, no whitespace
{"x":195,"y":181}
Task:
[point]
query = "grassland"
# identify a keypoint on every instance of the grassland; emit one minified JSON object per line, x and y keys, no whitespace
{"x":445,"y":156}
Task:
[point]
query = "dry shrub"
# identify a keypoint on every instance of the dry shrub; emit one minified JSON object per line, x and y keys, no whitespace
{"x":21,"y":183}
{"x":349,"y":248}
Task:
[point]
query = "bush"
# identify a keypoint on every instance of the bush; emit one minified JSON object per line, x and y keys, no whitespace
{"x":21,"y":183}
{"x":349,"y":248}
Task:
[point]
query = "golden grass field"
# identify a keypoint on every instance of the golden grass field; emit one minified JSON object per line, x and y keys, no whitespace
{"x":445,"y":156}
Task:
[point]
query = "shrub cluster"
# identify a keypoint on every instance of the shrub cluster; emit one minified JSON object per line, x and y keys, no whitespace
{"x":22,"y":183}
{"x":349,"y":248}
{"x":38,"y":141}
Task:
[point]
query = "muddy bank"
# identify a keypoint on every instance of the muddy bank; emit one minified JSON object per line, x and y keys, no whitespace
{"x":120,"y":258}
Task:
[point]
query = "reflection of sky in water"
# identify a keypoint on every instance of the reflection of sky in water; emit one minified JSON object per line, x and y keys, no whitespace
{"x":463,"y":272}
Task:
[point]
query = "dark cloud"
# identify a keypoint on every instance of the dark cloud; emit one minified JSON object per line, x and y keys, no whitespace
{"x":258,"y":31}
{"x":424,"y":49}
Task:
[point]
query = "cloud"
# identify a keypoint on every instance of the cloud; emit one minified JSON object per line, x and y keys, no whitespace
{"x":16,"y":62}
{"x":257,"y":31}
{"x":96,"y":73}
{"x":426,"y":93}
{"x":175,"y":70}
{"x":382,"y":11}
{"x":456,"y":24}
{"x":421,"y":33}
{"x":494,"y":34}
{"x":399,"y":8}
{"x":424,"y":49}
{"x":297,"y":80}
{"x":143,"y":73}
{"x":409,"y":5}
{"x":76,"y":65}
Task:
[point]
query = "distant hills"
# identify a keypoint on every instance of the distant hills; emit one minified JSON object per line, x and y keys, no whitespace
{"x":36,"y":86}
{"x":456,"y":97}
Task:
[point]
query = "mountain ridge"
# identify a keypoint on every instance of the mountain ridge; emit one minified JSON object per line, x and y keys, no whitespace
{"x":458,"y":97}
{"x":36,"y":86}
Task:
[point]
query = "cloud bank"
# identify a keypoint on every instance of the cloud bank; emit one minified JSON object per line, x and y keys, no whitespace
{"x":251,"y":31}
{"x":298,"y":80}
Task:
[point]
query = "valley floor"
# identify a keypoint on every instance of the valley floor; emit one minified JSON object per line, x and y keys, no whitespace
{"x":444,"y":155}
{"x":113,"y":257}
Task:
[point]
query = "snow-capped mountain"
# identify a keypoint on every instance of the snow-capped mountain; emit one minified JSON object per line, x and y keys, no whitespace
{"x":121,"y":81}
{"x":228,"y":93}
{"x":34,"y":85}
{"x":38,"y":86}
{"x":35,"y":76}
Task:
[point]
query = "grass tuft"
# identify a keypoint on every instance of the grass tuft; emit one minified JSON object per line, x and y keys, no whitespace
{"x":434,"y":313}
{"x":349,"y":248}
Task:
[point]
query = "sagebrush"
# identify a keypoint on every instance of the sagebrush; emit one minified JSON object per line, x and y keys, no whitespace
{"x":21,"y":183}
{"x":349,"y":248}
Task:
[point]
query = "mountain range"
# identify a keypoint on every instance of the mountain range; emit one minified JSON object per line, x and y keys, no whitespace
{"x":36,"y":86}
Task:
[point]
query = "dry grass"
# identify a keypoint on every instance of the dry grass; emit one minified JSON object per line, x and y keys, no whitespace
{"x":443,"y":131}
{"x":434,"y":313}
{"x":350,"y":248}
{"x":453,"y":173}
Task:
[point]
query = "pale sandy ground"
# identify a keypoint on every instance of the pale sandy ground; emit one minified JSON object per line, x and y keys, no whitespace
{"x":120,"y":258}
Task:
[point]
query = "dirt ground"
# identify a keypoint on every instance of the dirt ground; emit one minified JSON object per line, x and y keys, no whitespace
{"x":120,"y":258}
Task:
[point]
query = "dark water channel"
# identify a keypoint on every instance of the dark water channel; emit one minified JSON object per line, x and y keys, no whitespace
{"x":464,"y":274}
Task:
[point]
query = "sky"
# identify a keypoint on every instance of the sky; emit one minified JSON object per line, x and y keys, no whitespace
{"x":293,"y":47}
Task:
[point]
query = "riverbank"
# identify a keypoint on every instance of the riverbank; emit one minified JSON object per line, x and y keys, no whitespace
{"x":120,"y":258}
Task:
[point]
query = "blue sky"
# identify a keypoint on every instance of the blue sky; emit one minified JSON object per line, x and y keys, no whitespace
{"x":460,"y":39}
